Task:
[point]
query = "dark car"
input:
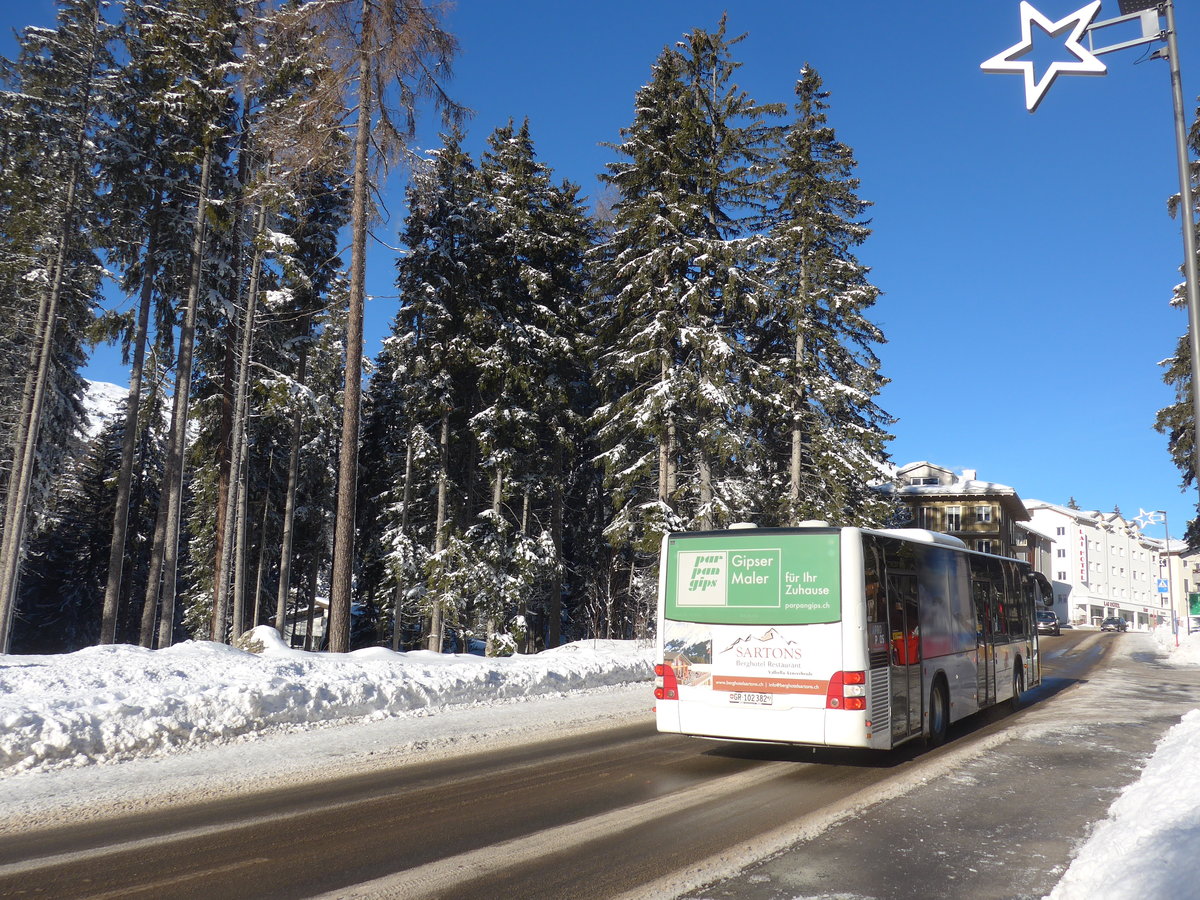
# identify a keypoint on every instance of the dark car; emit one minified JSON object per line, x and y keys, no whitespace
{"x":1114,"y":623}
{"x":1047,"y":622}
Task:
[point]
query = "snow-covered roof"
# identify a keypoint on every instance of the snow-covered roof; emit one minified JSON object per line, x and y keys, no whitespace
{"x":1025,"y":526}
{"x":965,"y":485}
{"x":1110,"y":521}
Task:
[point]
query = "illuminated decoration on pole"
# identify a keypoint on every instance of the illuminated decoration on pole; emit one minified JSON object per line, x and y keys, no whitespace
{"x":1146,"y":519}
{"x":1085,"y":62}
{"x":1157,"y":21}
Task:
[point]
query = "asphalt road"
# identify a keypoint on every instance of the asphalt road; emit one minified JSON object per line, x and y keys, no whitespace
{"x":628,"y":812}
{"x":1006,"y":823}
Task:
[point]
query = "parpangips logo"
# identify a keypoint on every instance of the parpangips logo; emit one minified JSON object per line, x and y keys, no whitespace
{"x":707,"y":571}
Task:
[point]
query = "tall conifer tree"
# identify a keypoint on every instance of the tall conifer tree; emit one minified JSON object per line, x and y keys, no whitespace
{"x":53,"y":280}
{"x":817,"y":325}
{"x":685,"y":296}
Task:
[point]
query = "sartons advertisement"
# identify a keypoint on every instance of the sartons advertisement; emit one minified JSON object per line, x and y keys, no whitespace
{"x":742,"y":614}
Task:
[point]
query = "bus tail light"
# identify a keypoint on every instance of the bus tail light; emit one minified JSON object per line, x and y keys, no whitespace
{"x":667,"y":687}
{"x":847,"y":690}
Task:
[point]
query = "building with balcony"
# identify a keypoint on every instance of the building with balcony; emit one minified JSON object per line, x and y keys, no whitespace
{"x":986,"y":516}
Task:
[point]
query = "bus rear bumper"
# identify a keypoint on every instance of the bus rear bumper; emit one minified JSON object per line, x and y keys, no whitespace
{"x":809,"y":727}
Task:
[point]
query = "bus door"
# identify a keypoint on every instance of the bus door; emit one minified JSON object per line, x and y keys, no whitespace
{"x":985,"y":673}
{"x":905,"y":651}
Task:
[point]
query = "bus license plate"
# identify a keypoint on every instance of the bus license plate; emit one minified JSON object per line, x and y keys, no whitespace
{"x":746,"y":699}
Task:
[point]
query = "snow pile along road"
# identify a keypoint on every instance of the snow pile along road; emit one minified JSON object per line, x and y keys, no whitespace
{"x":122,"y":702}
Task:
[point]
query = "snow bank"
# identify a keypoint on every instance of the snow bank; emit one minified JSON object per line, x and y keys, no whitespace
{"x":1184,"y":651}
{"x":121,"y":702}
{"x":1148,"y":844}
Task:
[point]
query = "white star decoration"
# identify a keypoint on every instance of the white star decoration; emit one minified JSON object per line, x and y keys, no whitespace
{"x":1086,"y":63}
{"x":1146,"y":519}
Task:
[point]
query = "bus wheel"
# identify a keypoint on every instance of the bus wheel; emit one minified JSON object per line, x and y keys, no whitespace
{"x":1018,"y":685}
{"x":939,"y":714}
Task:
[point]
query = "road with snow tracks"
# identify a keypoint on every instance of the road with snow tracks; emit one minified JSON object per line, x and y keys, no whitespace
{"x":618,"y":812}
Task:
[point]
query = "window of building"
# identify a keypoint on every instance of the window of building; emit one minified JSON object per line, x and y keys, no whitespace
{"x":1061,"y":530}
{"x":983,"y":546}
{"x":1062,"y":553}
{"x":954,"y":518}
{"x":1062,"y":576}
{"x":927,"y":518}
{"x":922,"y":481}
{"x":983,"y":514}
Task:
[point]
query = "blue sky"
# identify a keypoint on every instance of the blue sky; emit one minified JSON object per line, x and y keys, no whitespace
{"x":1026,"y":260}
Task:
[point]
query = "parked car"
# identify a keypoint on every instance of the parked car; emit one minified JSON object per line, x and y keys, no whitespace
{"x":1047,"y":622}
{"x":1114,"y":623}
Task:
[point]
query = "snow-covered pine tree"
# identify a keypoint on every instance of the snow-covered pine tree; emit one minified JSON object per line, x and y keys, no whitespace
{"x":529,"y":366}
{"x":147,"y":169}
{"x":682,"y":379}
{"x":197,"y":39}
{"x":424,"y":390}
{"x":827,"y":434}
{"x":50,"y":276}
{"x":288,"y":203}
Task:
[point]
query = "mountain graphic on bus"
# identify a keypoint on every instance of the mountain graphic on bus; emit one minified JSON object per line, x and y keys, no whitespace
{"x":767,"y":637}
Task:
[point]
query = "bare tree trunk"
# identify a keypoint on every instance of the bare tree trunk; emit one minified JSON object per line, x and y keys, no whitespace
{"x":797,"y":471}
{"x":343,"y":544}
{"x":398,"y":593}
{"x":154,"y":579}
{"x":241,"y":497}
{"x":224,"y":466}
{"x":226,"y":450}
{"x":16,"y":499}
{"x":437,"y":614}
{"x":289,"y":505}
{"x":706,"y":491}
{"x":179,"y":412}
{"x":116,"y":555}
{"x":554,"y":613}
{"x":262,"y":546}
{"x":314,"y":575}
{"x":664,"y":451}
{"x":497,"y":503}
{"x":234,"y":520}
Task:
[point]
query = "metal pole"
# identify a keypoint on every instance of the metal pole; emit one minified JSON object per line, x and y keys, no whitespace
{"x":1170,"y":580}
{"x":1189,"y":231}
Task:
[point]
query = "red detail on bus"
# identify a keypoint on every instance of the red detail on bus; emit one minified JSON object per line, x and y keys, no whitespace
{"x":836,"y":696}
{"x":668,"y":689}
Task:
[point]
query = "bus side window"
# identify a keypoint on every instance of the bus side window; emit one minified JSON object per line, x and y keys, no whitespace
{"x":999,"y":615}
{"x":1014,"y":602}
{"x":873,"y":578}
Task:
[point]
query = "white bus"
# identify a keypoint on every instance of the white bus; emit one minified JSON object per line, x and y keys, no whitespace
{"x":838,"y":637}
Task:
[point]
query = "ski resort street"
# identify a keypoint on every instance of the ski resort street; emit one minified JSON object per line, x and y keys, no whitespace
{"x":614,"y":809}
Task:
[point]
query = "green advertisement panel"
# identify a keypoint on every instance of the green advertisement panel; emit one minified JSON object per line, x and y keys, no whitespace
{"x":754,"y":578}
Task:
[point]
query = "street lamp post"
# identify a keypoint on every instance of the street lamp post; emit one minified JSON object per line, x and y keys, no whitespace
{"x":1189,"y":228}
{"x":1085,"y":61}
{"x":1170,"y":580}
